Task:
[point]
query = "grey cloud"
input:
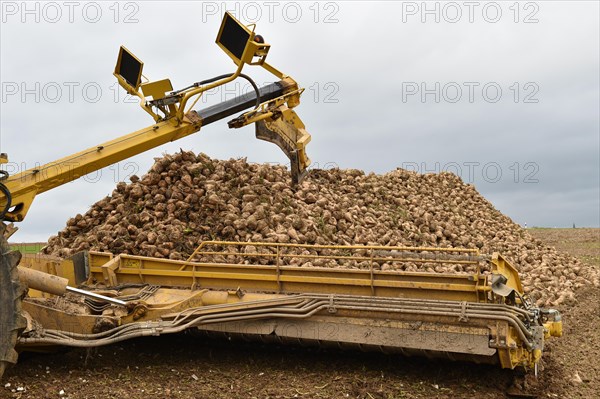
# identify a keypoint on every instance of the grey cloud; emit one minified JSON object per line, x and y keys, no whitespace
{"x":367,"y":58}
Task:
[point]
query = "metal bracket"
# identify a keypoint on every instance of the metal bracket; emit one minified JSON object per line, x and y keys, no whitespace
{"x":499,"y":287}
{"x":331,"y":308}
{"x":463,"y":313}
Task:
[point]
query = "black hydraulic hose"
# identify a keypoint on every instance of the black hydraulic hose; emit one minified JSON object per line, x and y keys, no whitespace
{"x":207,"y":81}
{"x":255,"y":87}
{"x":211,"y":80}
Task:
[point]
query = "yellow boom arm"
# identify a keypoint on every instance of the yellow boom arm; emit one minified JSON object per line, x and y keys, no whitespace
{"x":25,"y":186}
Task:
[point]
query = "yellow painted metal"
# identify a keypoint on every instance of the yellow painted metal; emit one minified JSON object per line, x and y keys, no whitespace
{"x":278,"y":117}
{"x":509,"y":271}
{"x":97,"y":259}
{"x":26,"y":185}
{"x":254,"y":53}
{"x":365,"y":248}
{"x":269,"y":109}
{"x":210,"y":288}
{"x":41,"y":281}
{"x":172,"y":126}
{"x":273,"y":70}
{"x":228,"y":17}
{"x":166,"y":301}
{"x":224,"y":285}
{"x":388,"y":329}
{"x":212,"y":297}
{"x":553,"y":329}
{"x":53,"y":317}
{"x":108,"y":271}
{"x":188,"y":94}
{"x":510,"y":351}
{"x":278,"y":277}
{"x":51,"y":265}
{"x":298,"y":280}
{"x":157,"y":89}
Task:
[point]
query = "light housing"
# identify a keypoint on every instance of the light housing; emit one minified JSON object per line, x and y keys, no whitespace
{"x":238,"y":42}
{"x":128,"y":71}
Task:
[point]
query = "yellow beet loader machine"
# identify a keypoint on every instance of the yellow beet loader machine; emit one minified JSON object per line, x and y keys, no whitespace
{"x":252,"y":290}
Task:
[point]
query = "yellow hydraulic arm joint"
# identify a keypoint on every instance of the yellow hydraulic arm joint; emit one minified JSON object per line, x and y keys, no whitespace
{"x":276,"y":122}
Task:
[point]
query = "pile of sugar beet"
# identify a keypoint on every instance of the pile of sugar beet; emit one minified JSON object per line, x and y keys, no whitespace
{"x":185,"y":199}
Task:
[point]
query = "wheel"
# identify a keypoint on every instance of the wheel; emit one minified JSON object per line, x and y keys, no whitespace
{"x":12,"y":292}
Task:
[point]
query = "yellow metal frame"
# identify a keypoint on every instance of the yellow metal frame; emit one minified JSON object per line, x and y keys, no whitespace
{"x":26,"y":185}
{"x":247,"y":51}
{"x":278,"y":116}
{"x":362,"y":301}
{"x":269,"y":109}
{"x":221,"y":273}
{"x":509,"y":271}
{"x":440,"y":308}
{"x":177,"y":110}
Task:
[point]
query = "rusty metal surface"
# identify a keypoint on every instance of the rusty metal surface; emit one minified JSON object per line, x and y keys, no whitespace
{"x":381,"y":335}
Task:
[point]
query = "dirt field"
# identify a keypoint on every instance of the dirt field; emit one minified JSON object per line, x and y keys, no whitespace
{"x":185,"y":366}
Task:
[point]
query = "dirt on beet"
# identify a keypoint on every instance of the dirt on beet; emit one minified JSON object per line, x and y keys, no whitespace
{"x":189,"y":366}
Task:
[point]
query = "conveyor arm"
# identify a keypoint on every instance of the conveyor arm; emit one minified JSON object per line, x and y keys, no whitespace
{"x":174,"y":120}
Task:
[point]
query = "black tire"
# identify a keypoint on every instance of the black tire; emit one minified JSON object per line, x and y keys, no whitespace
{"x":12,"y":292}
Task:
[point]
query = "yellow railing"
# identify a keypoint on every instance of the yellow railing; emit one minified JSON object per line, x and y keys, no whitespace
{"x":343,"y":255}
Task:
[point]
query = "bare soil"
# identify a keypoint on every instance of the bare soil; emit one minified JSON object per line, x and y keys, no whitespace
{"x":186,"y":366}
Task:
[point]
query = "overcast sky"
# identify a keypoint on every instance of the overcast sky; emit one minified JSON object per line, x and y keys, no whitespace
{"x":505,"y":95}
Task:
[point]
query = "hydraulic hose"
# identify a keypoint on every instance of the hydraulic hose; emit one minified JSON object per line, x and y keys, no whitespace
{"x":211,"y":80}
{"x":298,"y":307}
